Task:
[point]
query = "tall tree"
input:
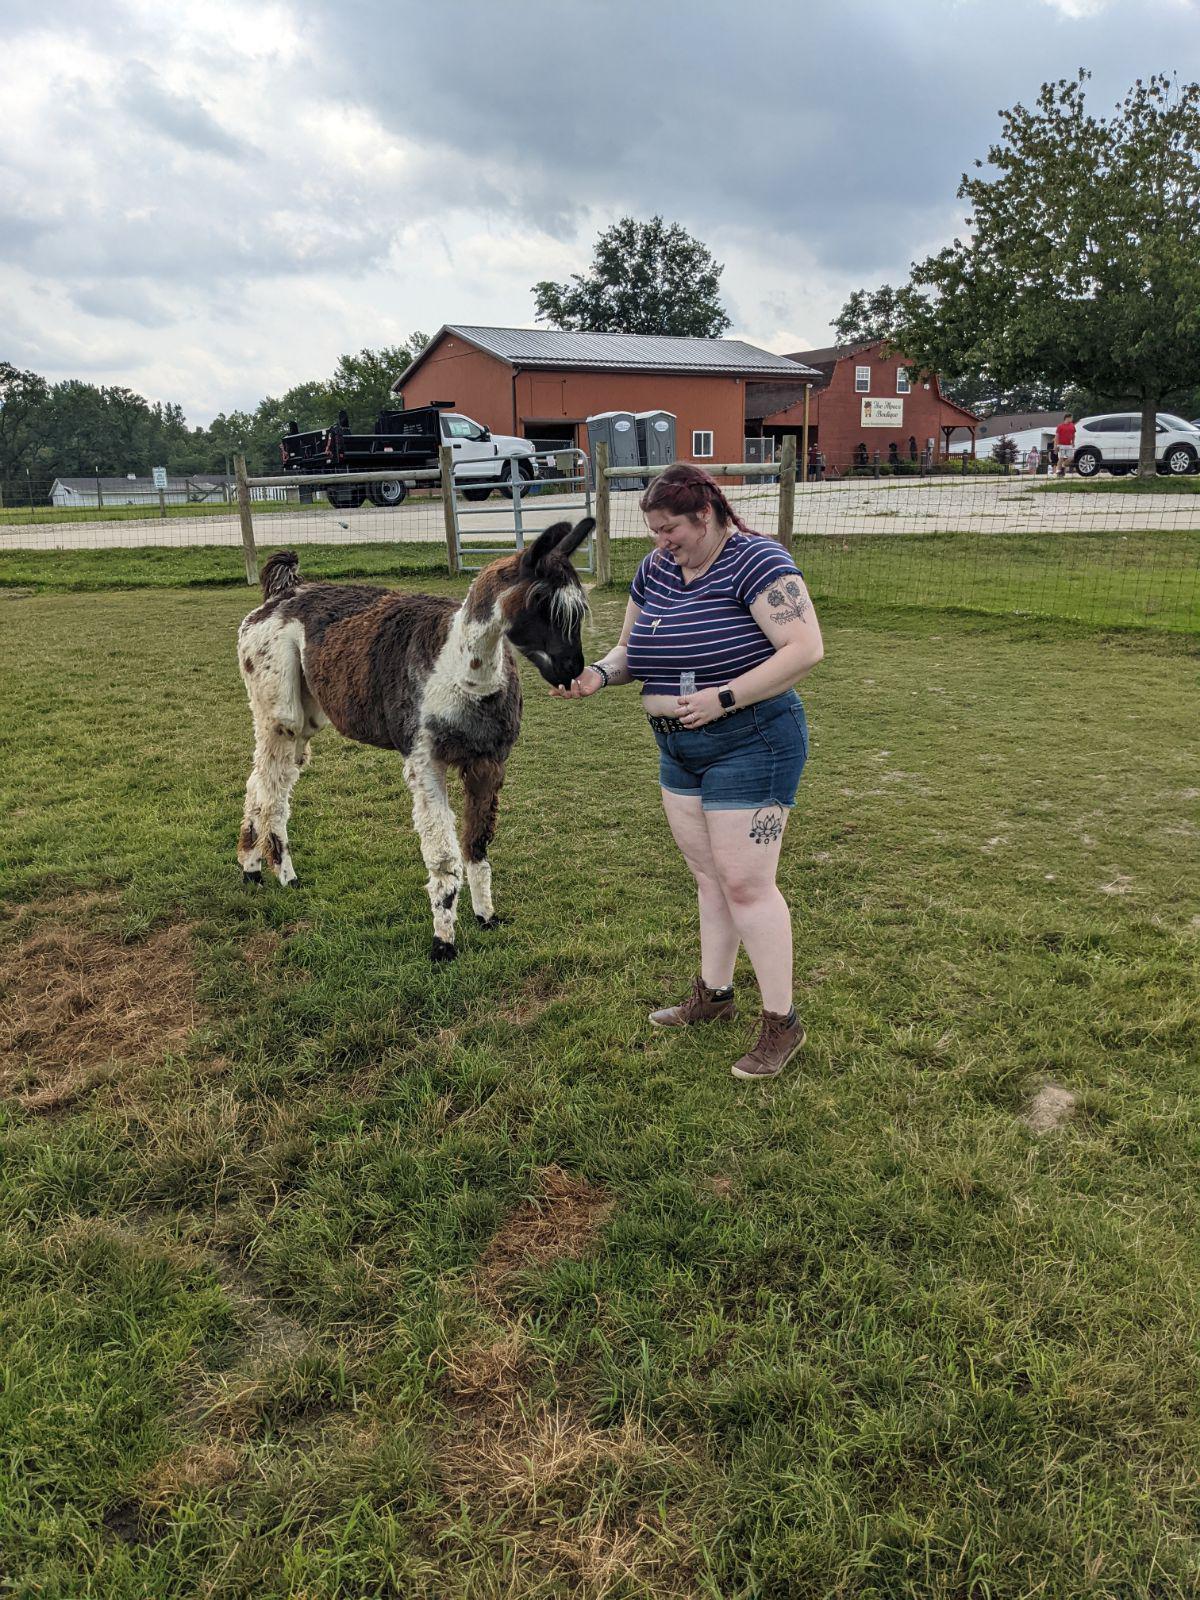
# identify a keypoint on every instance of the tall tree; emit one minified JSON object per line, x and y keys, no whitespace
{"x":868,"y":314}
{"x":645,"y":277}
{"x":22,"y":395}
{"x":876,"y":313}
{"x":362,"y":383}
{"x":1083,"y":262}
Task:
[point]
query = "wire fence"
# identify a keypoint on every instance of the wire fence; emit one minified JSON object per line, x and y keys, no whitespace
{"x":1110,"y":552}
{"x":1107,"y":554}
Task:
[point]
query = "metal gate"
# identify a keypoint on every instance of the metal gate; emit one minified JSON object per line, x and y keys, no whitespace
{"x":475,"y":546}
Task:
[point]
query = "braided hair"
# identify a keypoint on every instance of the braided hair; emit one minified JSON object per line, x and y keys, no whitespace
{"x":685,"y":490}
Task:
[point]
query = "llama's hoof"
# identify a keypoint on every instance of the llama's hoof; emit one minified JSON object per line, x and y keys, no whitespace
{"x":489,"y":923}
{"x":442,"y":951}
{"x":252,"y":877}
{"x":292,"y":883}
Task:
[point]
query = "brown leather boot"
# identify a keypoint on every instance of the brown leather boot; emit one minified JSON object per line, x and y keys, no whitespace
{"x":780,"y":1038}
{"x":699,"y":1006}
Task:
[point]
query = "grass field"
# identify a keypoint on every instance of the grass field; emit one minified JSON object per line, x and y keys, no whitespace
{"x":138,"y":513}
{"x":1122,"y":485}
{"x":1118,"y":580}
{"x":330,"y":1273}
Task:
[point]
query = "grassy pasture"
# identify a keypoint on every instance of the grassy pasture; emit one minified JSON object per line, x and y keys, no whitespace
{"x":328,"y":1273}
{"x":1137,"y":579}
{"x":1118,"y":485}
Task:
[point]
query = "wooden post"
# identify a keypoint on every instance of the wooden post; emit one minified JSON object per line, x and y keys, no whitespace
{"x":446,"y":462}
{"x":243,"y":494}
{"x":804,"y":437}
{"x":99,"y":496}
{"x":162,"y":503}
{"x":603,"y":548}
{"x":787,"y":492}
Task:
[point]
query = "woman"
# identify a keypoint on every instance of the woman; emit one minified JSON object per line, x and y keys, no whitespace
{"x":718,"y":629}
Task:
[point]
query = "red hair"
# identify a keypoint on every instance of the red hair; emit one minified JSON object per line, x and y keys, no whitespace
{"x":684,"y":491}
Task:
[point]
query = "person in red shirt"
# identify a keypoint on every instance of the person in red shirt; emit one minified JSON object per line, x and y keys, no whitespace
{"x":1064,"y":438}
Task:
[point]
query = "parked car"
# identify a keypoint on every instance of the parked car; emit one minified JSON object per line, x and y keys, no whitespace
{"x":1113,"y":442}
{"x":409,"y":440}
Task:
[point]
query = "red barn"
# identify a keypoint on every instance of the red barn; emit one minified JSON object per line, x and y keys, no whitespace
{"x":862,"y":402}
{"x":540,"y":384}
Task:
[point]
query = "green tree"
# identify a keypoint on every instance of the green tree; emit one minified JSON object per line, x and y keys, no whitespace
{"x":22,"y":396}
{"x":362,"y":383}
{"x":645,"y":277}
{"x":867,"y":315}
{"x":871,"y":314}
{"x":1083,"y":262}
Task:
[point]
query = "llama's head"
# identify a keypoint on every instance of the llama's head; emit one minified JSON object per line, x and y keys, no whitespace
{"x":544,"y":604}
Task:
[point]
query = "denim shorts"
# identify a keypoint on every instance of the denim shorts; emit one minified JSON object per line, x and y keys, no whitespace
{"x":750,"y":758}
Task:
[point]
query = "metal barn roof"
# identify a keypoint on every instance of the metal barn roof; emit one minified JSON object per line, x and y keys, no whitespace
{"x":625,"y":352}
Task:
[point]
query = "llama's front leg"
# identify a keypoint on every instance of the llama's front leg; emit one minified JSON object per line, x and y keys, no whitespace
{"x":481,"y":787}
{"x":434,"y":822}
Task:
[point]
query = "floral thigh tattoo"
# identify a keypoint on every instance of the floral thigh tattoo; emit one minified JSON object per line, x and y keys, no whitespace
{"x":766,"y":824}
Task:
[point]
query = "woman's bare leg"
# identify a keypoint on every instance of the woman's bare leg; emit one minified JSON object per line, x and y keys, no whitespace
{"x":743,"y":847}
{"x":719,"y":937}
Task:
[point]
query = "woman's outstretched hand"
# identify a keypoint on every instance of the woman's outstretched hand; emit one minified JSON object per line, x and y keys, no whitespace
{"x":588,"y":681}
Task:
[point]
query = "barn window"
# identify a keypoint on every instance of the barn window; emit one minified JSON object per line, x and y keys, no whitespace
{"x":902,"y":384}
{"x":862,"y":380}
{"x":702,"y":444}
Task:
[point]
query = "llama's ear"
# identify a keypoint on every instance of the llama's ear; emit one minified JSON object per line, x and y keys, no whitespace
{"x":574,"y":537}
{"x":543,"y":544}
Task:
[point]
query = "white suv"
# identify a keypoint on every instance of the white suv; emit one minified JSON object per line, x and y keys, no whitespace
{"x":1114,"y":441}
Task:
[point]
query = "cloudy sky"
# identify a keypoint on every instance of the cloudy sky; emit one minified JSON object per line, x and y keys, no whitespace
{"x":210,"y":200}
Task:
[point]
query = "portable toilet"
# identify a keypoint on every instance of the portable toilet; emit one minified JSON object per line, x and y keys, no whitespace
{"x":656,"y":437}
{"x":618,"y":431}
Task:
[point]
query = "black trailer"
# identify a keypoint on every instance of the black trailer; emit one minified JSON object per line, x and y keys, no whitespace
{"x":406,"y":440}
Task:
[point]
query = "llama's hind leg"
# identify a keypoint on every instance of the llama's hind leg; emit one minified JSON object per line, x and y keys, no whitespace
{"x":268,"y":800}
{"x":434,"y":822}
{"x":481,"y":788}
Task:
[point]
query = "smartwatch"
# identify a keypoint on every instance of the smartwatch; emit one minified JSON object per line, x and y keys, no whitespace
{"x":725,"y":696}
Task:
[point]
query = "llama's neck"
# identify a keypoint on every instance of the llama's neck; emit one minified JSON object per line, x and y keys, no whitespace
{"x":474,"y":652}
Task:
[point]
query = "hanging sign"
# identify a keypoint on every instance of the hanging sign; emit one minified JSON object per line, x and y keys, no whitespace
{"x":883,"y":413}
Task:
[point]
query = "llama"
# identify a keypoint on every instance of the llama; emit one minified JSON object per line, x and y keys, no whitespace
{"x":416,"y":673}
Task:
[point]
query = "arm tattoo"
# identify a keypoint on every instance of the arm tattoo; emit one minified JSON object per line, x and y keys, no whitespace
{"x":795,"y":606}
{"x":766,"y":825}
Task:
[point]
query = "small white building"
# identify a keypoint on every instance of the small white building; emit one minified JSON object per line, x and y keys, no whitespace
{"x":1024,"y":428}
{"x":134,"y":491}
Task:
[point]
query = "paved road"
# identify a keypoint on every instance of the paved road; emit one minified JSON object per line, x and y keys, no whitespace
{"x":837,"y":510}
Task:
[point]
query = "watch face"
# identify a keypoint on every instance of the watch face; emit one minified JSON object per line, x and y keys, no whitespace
{"x":725,"y":696}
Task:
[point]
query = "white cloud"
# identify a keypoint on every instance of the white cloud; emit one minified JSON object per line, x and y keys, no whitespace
{"x":213,"y":200}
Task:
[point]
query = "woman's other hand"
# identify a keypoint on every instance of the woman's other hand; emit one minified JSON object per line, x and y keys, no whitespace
{"x":697,"y":709}
{"x":588,"y":681}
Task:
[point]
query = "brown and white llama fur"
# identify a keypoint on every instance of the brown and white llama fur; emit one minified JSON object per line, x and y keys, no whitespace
{"x":416,"y":673}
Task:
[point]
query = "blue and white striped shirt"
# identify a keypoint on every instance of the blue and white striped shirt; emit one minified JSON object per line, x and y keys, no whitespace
{"x":704,"y":627}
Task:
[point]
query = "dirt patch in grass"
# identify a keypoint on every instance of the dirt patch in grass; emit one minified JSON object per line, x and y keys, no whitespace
{"x":193,"y":1469}
{"x":561,"y":1221}
{"x":78,"y":1004}
{"x":719,"y":1185}
{"x":575,"y":1504}
{"x":1049,"y":1108}
{"x":260,"y":949}
{"x":530,"y":1000}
